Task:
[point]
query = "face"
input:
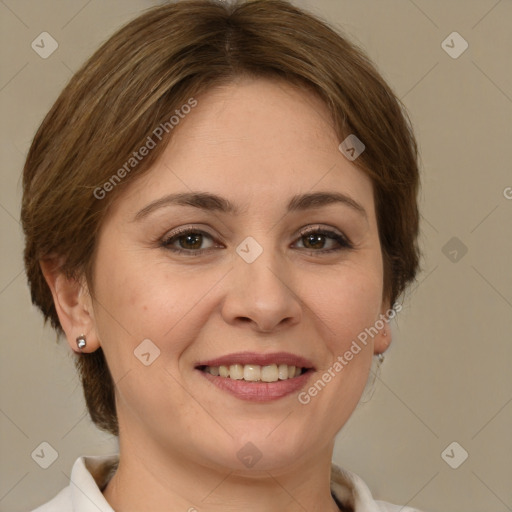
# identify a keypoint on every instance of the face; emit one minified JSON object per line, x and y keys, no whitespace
{"x":285,"y":281}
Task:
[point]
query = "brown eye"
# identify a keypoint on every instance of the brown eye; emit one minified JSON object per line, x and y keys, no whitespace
{"x":187,"y":241}
{"x":191,"y":241}
{"x":316,"y":239}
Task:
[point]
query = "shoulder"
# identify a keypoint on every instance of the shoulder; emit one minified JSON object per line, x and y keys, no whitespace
{"x":351,"y":491}
{"x":83,"y":494}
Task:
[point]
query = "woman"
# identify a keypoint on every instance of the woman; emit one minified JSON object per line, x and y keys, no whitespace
{"x":220,"y":214}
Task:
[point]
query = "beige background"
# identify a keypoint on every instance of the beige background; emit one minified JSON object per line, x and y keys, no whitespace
{"x":447,"y":376}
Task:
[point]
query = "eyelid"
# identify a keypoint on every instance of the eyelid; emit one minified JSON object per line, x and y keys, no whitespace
{"x":185,"y":230}
{"x":315,"y":228}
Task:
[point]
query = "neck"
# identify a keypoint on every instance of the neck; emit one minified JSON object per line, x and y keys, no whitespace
{"x":152,"y":479}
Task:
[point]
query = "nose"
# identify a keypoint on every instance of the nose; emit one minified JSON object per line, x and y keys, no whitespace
{"x":261,"y":294}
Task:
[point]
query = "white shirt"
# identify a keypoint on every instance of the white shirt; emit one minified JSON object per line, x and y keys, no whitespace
{"x":91,"y":474}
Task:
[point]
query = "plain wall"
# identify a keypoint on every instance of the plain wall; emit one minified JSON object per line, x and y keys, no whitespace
{"x":447,"y":376}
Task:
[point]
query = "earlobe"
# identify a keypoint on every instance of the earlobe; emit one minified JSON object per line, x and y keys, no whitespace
{"x":383,"y":339}
{"x":73,"y":305}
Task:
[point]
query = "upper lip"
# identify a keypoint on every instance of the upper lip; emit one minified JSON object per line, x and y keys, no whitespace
{"x":259,"y":359}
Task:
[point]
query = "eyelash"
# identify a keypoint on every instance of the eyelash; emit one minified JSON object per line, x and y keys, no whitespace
{"x":344,"y":242}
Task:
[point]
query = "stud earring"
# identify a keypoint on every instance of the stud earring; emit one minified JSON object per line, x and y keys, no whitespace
{"x":81,"y":341}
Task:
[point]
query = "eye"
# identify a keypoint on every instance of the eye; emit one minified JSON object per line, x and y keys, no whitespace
{"x":189,"y":241}
{"x":314,"y":239}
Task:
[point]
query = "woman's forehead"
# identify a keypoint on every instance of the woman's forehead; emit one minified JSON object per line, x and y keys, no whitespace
{"x":252,"y":133}
{"x":252,"y":112}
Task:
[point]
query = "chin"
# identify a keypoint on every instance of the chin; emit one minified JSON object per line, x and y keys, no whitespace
{"x":267,"y":448}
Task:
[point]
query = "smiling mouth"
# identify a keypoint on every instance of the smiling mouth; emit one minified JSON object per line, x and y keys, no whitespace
{"x":255,"y":372}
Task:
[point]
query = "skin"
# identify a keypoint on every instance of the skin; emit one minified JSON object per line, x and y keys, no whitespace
{"x":257,"y":143}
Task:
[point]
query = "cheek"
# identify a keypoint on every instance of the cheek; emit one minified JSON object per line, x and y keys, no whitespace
{"x":127,"y":306}
{"x":347,"y":303}
{"x":139,"y":299}
{"x":344,"y":305}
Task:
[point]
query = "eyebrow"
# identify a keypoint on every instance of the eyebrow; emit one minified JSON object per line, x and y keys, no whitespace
{"x":212,"y":202}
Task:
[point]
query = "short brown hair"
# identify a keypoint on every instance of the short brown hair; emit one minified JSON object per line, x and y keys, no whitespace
{"x":149,"y":69}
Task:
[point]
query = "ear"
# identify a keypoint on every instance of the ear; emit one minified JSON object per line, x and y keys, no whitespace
{"x":383,"y":338}
{"x":73,"y":304}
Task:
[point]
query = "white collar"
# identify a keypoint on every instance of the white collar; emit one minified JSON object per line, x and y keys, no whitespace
{"x":88,"y":477}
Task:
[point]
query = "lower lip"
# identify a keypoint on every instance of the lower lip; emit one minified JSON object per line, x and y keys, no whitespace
{"x":259,"y":391}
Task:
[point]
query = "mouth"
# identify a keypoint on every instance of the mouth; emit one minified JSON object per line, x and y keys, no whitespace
{"x":255,"y":372}
{"x":257,"y":377}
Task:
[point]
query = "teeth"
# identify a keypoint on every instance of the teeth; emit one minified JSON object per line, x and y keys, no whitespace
{"x":236,"y":371}
{"x":255,"y":372}
{"x":269,"y":373}
{"x":252,"y":372}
